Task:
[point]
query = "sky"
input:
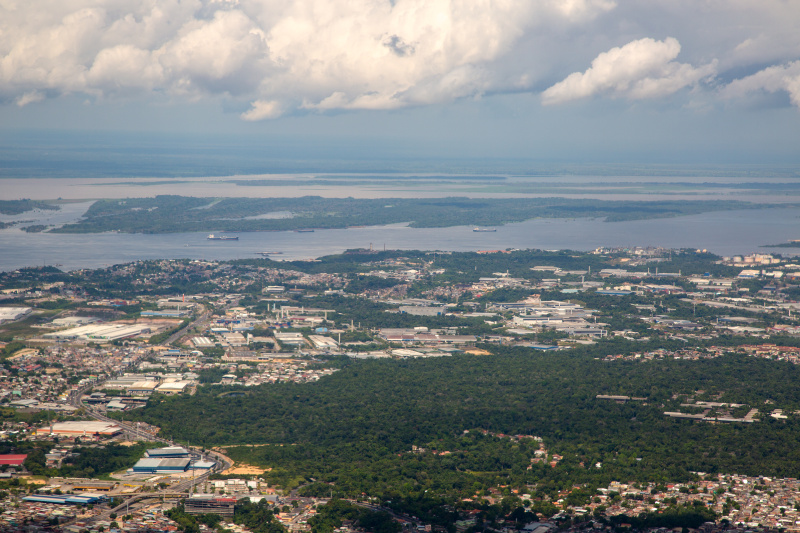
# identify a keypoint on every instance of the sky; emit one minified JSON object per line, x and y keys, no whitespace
{"x":592,"y":80}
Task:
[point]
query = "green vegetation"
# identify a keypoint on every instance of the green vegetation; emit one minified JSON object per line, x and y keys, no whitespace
{"x":34,"y":418}
{"x":212,"y":375}
{"x":35,"y":228}
{"x":9,"y":349}
{"x":25,"y":327}
{"x":88,"y":461}
{"x":356,"y":428}
{"x":16,"y":207}
{"x":682,"y":516}
{"x":256,"y":517}
{"x":175,"y":214}
{"x":159,"y":338}
{"x":191,"y":523}
{"x":57,"y":304}
{"x":331,"y":516}
{"x":366,"y":283}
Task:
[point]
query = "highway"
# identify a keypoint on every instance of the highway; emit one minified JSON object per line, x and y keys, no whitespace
{"x":181,"y":489}
{"x":178,"y":334}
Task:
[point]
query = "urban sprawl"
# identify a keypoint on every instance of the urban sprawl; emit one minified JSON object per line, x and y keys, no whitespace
{"x":84,"y":351}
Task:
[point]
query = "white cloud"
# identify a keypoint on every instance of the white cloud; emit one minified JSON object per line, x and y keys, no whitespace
{"x":321,"y":54}
{"x":640,"y":69}
{"x":261,"y":110}
{"x":772,"y":79}
{"x":29,"y":98}
{"x":383,"y":54}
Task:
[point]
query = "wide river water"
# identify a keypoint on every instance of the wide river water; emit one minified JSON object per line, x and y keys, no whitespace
{"x":724,"y":233}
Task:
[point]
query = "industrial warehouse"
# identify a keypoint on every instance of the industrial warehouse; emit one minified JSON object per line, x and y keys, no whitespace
{"x":160,"y":466}
{"x":104,"y":332}
{"x":169,"y":460}
{"x":81,"y":429}
{"x":66,"y":499}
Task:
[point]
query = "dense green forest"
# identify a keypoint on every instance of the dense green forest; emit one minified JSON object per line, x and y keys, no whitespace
{"x":357,"y":427}
{"x":175,"y":214}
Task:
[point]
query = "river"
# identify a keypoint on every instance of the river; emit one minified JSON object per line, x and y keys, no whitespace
{"x":723,"y":233}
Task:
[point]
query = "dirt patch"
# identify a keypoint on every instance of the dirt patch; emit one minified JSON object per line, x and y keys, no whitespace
{"x":25,"y":352}
{"x":477,"y":351}
{"x":246,"y":470}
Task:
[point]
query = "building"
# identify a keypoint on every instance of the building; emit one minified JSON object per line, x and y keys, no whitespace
{"x":174,"y":387}
{"x":422,"y":311}
{"x":81,"y":428}
{"x":290,"y":337}
{"x":101,"y":332}
{"x":82,"y":499}
{"x":323,"y":343}
{"x":8,"y":314}
{"x":202,"y":342}
{"x":179,"y":313}
{"x":170,"y":452}
{"x":142,"y":388}
{"x":208,"y":503}
{"x":160,"y":466}
{"x":12,"y":459}
{"x":24,"y":404}
{"x":273,"y":289}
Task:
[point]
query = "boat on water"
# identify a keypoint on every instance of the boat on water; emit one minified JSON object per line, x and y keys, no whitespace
{"x":304,"y":230}
{"x":213,"y":237}
{"x":269,"y":253}
{"x":484,"y":230}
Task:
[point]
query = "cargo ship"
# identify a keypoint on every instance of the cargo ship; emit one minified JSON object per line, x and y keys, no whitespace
{"x":484,"y":230}
{"x":304,"y":230}
{"x":213,"y":237}
{"x":269,"y":253}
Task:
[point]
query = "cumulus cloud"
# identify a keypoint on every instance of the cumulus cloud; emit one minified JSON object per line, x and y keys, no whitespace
{"x":276,"y":54}
{"x":261,"y":110}
{"x":772,"y":79}
{"x":644,"y":68}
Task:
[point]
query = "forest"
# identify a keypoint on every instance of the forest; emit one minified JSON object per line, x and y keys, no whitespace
{"x":176,"y":214}
{"x":357,"y":429}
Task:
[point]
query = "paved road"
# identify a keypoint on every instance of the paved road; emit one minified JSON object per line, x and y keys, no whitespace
{"x":181,"y":489}
{"x":178,"y":334}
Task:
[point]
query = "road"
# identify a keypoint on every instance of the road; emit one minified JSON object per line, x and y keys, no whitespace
{"x":178,"y":334}
{"x":181,"y":489}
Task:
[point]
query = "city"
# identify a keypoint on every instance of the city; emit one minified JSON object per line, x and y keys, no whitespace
{"x":103,"y":344}
{"x":399,"y":266}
